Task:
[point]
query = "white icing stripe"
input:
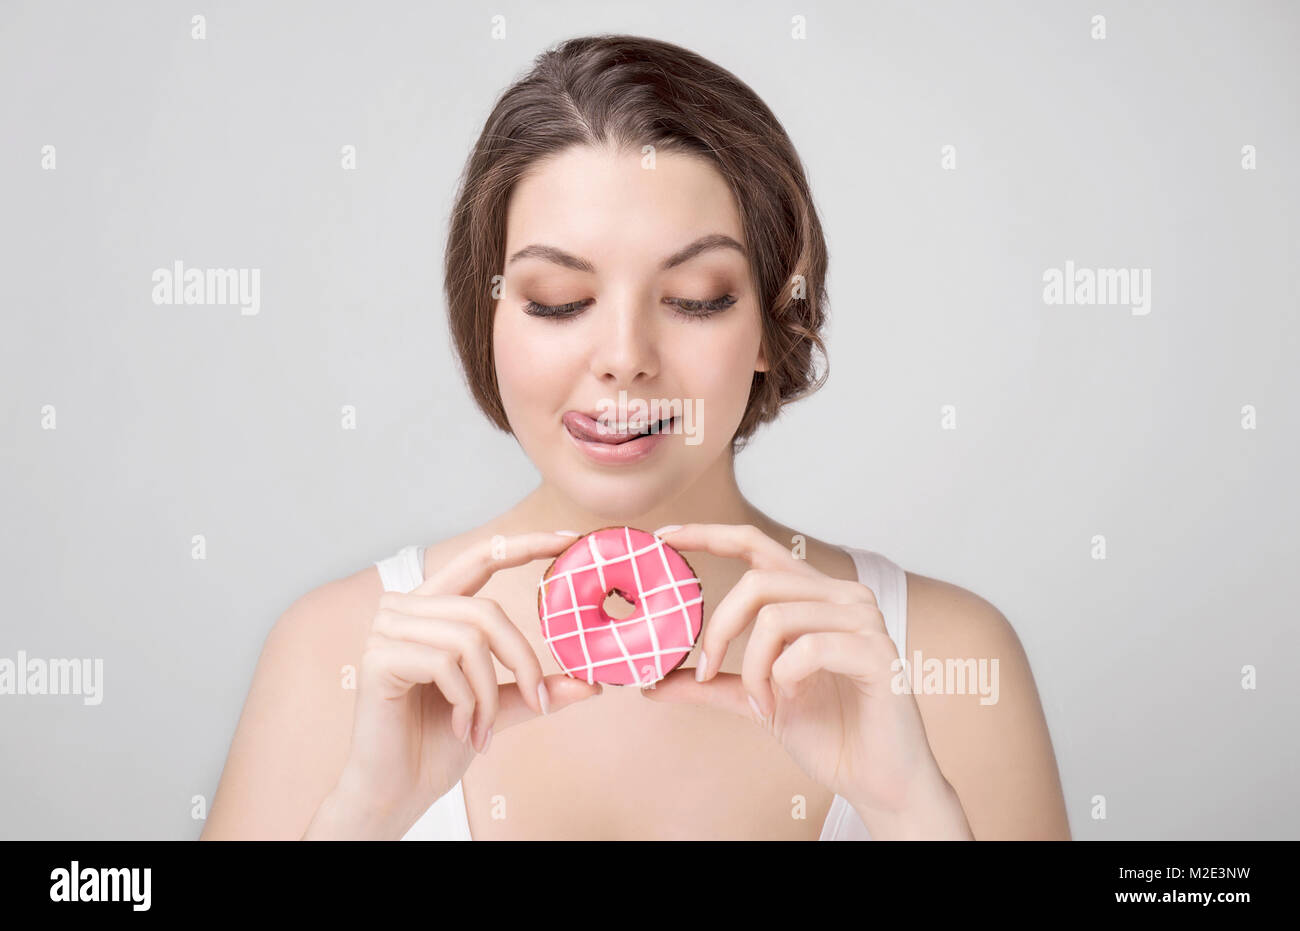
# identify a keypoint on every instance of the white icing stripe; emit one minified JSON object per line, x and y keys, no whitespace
{"x":685,"y":614}
{"x":654,"y":635}
{"x":598,"y":563}
{"x":613,"y":628}
{"x":582,"y":639}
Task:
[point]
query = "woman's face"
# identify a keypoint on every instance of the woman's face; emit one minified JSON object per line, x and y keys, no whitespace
{"x":605,"y":234}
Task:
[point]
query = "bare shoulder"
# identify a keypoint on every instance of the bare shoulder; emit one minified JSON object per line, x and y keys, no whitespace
{"x":293,"y":733}
{"x":327,"y":626}
{"x":343,"y":609}
{"x":941,"y":614}
{"x":338,"y":610}
{"x":983,"y":716}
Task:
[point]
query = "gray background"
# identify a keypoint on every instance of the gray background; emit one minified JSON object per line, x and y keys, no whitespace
{"x":1072,"y":421}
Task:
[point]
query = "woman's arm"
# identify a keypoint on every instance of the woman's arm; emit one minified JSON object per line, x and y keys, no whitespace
{"x":293,"y":735}
{"x":997,"y":757}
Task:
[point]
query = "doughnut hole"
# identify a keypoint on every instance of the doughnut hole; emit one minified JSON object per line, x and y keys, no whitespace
{"x":617,"y":605}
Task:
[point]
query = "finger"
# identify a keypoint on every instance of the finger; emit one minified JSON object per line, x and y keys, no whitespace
{"x":469,"y":570}
{"x":738,"y":541}
{"x":466,"y":643}
{"x":760,"y":587}
{"x":505,"y":640}
{"x":780,"y":623}
{"x":862,"y":657}
{"x":725,"y":692}
{"x":564,"y":691}
{"x":397,"y":666}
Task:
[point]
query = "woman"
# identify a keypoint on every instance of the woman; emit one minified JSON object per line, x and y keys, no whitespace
{"x":634,"y":223}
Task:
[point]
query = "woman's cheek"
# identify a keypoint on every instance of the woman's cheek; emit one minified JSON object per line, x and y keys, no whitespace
{"x":721,"y":371}
{"x":516,"y":380}
{"x":532,"y":374}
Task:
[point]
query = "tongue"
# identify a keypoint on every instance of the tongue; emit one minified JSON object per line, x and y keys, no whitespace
{"x":585,"y":428}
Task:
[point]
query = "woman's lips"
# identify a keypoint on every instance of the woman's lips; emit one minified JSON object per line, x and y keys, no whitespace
{"x":608,"y":448}
{"x":583,"y":427}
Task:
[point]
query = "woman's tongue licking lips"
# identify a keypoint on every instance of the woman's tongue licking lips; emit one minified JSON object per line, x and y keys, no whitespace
{"x":585,"y":428}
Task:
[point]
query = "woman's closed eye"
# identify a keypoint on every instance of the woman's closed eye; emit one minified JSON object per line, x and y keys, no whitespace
{"x":689,"y":309}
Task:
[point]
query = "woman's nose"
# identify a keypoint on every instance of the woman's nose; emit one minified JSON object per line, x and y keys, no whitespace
{"x":627,"y":346}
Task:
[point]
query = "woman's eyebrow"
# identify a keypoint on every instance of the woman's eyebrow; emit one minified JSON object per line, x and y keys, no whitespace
{"x":560,"y":257}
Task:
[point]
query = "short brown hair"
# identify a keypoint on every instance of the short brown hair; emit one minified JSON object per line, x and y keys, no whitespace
{"x":629,"y":91}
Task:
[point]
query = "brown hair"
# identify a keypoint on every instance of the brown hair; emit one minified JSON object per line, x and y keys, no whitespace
{"x":629,"y":91}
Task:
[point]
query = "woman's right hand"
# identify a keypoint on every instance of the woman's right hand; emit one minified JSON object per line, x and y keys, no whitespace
{"x":427,"y":691}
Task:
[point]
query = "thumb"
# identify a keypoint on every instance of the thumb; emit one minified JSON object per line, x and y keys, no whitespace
{"x":724,"y":691}
{"x":563,"y":691}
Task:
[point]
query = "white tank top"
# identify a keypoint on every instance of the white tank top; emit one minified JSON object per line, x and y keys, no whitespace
{"x":446,"y":819}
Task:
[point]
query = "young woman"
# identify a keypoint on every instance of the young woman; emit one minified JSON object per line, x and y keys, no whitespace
{"x":634,"y":223}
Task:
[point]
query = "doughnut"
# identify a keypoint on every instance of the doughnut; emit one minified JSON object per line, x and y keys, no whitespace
{"x":640,"y":649}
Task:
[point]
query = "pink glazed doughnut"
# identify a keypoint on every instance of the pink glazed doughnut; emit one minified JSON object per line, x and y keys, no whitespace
{"x":654,"y":578}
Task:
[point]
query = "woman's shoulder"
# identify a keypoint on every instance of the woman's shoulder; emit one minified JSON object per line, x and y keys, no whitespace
{"x":942,"y":615}
{"x":982,"y":712}
{"x":336,"y":616}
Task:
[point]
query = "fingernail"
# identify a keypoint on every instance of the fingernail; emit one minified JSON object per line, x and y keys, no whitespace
{"x":669,"y":529}
{"x":758,"y":715}
{"x":544,"y":697}
{"x":699,"y":667}
{"x":469,"y":729}
{"x":568,"y":533}
{"x":487,"y":741}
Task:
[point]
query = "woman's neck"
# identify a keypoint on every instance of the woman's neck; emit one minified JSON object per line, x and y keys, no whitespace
{"x":713,"y":498}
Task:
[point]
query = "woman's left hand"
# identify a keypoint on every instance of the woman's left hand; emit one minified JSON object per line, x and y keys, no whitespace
{"x":821,"y":668}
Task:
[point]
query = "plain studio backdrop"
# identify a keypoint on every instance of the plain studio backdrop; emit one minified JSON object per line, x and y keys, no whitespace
{"x":1167,"y":669}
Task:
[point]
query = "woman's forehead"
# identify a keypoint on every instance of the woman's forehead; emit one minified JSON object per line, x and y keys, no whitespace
{"x":586,"y":197}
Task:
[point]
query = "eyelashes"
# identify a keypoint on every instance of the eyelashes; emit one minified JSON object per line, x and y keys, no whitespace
{"x":688,"y":309}
{"x":534,"y":309}
{"x":698,"y":309}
